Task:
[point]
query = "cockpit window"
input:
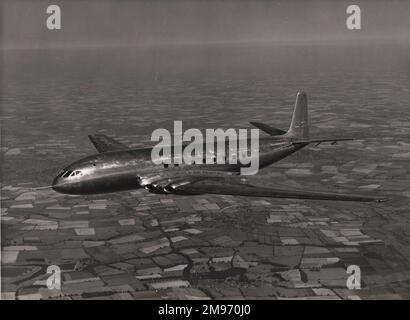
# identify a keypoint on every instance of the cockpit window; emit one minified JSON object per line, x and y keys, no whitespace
{"x":67,"y":174}
{"x":61,"y":173}
{"x":75,"y":173}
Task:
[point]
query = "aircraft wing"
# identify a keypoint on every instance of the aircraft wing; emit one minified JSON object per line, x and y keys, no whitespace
{"x":319,"y":141}
{"x":105,"y":144}
{"x":223,"y":186}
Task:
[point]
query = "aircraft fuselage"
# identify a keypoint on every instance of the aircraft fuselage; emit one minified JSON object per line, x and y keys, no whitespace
{"x":131,"y":169}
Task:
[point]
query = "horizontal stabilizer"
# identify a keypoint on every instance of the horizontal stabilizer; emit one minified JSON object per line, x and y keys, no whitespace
{"x":268,"y":129}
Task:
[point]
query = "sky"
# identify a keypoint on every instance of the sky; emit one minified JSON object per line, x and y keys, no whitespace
{"x":143,"y":23}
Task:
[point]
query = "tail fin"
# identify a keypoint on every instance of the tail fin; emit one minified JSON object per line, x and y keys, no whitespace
{"x":299,"y":127}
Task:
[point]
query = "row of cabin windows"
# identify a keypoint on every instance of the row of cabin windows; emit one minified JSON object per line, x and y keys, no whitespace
{"x":166,"y":165}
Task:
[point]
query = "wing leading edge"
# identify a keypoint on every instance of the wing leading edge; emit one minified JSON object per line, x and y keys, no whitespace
{"x":105,"y":144}
{"x":224,"y":187}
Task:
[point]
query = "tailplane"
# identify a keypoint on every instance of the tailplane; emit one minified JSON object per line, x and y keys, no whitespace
{"x":299,"y":127}
{"x":268,"y":129}
{"x":298,"y":131}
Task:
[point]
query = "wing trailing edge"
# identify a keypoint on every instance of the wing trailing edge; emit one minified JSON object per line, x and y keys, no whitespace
{"x":319,"y":141}
{"x":104,"y":143}
{"x":226,"y":186}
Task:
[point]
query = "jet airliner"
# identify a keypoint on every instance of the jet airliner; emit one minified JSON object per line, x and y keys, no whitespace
{"x":118,"y":168}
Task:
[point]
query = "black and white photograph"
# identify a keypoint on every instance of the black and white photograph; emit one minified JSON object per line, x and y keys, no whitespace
{"x":205,"y":150}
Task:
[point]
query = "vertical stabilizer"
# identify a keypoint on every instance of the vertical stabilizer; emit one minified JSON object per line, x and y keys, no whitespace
{"x":299,"y":127}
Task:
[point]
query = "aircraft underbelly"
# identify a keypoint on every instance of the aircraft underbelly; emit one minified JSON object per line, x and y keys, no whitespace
{"x":277,"y":155}
{"x":109,"y":182}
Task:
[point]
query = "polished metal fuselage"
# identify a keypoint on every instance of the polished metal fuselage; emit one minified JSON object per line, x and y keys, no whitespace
{"x":131,"y":169}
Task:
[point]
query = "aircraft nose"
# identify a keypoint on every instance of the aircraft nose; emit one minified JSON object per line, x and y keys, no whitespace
{"x":58,"y":186}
